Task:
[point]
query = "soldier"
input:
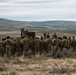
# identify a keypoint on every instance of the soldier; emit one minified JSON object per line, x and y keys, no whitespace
{"x":2,"y":48}
{"x":44,"y":35}
{"x":60,"y":44}
{"x":56,"y":46}
{"x":54,"y":36}
{"x":65,"y":37}
{"x":32,"y":46}
{"x":41,"y":45}
{"x":8,"y":47}
{"x":73,"y":43}
{"x":0,"y":39}
{"x":69,"y":42}
{"x":17,"y":45}
{"x":41,"y":38}
{"x":48,"y":36}
{"x":13,"y":51}
{"x":26,"y":45}
{"x":37,"y":45}
{"x":49,"y":44}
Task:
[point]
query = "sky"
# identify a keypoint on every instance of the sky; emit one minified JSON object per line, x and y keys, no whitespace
{"x":38,"y":10}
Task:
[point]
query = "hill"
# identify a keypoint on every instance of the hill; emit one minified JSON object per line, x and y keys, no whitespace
{"x":7,"y":25}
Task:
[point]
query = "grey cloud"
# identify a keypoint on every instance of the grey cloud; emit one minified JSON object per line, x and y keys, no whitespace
{"x":1,"y":1}
{"x":42,"y":1}
{"x":38,"y":9}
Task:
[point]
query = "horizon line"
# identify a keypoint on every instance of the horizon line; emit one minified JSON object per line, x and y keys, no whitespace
{"x":39,"y":20}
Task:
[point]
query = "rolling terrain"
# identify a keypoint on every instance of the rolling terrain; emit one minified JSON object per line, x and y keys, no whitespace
{"x":5,"y":24}
{"x":65,"y":27}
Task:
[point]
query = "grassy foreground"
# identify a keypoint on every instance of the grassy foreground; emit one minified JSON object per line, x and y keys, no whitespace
{"x":37,"y":66}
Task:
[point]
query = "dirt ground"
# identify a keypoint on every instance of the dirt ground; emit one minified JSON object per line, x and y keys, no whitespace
{"x":10,"y":33}
{"x":37,"y":66}
{"x":18,"y":33}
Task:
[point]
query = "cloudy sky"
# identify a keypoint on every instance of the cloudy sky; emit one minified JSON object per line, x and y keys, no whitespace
{"x":38,"y":10}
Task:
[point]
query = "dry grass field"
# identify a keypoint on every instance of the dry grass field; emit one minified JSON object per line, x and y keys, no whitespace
{"x":18,"y":33}
{"x":37,"y":66}
{"x":10,"y":33}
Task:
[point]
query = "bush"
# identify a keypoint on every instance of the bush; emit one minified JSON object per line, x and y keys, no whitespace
{"x":12,"y":73}
{"x":29,"y":54}
{"x":59,"y":68}
{"x":3,"y":67}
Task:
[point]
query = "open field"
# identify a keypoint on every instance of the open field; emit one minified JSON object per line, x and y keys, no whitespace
{"x":37,"y":66}
{"x":38,"y":33}
{"x":10,"y":33}
{"x":12,"y":28}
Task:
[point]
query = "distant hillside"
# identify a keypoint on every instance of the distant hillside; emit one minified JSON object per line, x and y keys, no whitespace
{"x":6,"y":24}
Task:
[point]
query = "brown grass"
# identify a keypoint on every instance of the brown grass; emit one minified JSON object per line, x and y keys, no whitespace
{"x":33,"y":66}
